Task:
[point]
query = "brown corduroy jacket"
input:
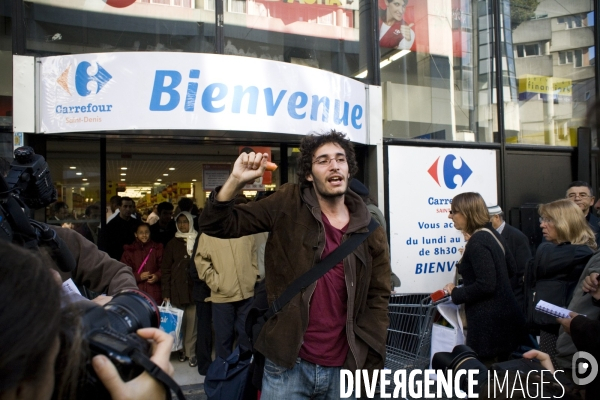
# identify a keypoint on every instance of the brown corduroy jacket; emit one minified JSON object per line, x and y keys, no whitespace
{"x":296,"y":242}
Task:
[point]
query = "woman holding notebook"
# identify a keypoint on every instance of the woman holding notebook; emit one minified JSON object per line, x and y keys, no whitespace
{"x":558,"y":264}
{"x":495,"y":323}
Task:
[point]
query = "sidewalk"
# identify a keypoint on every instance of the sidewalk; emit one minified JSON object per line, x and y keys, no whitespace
{"x":188,"y":378}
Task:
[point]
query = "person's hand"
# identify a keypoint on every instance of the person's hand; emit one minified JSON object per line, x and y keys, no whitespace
{"x":543,"y":358}
{"x":449,"y":288}
{"x":566,"y":322}
{"x":249,"y":166}
{"x":405,"y":30}
{"x":144,"y":387}
{"x":461,"y":250}
{"x":102,"y":300}
{"x":145,"y":275}
{"x":152,"y":278}
{"x":166,"y":300}
{"x":590,"y":284}
{"x":68,"y":225}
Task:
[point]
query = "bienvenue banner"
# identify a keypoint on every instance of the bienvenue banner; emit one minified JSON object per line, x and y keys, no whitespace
{"x":131,"y":91}
{"x":424,"y":243}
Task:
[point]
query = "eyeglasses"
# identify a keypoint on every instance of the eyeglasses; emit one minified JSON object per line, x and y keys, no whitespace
{"x":582,"y":196}
{"x":545,"y":220}
{"x":453,"y":212}
{"x":324,"y":160}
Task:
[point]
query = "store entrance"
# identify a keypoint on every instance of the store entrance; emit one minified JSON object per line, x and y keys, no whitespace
{"x":148,"y":170}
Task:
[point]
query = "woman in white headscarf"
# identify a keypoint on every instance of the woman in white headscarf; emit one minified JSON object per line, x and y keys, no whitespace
{"x":177,"y":286}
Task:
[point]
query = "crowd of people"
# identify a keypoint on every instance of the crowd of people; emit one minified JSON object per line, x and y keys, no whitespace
{"x":501,"y":282}
{"x":209,"y":264}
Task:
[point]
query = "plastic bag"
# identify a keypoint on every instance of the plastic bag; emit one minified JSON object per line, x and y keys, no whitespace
{"x":171,"y":319}
{"x":444,"y":338}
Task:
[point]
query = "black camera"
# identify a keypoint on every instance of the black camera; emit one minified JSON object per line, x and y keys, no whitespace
{"x":30,"y":175}
{"x":532,"y":373}
{"x":110,"y":331}
{"x":28,"y":185}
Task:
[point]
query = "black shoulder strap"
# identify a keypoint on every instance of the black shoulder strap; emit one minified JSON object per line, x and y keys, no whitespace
{"x":312,"y":275}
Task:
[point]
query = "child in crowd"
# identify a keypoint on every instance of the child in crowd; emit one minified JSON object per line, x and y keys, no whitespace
{"x":144,"y":257}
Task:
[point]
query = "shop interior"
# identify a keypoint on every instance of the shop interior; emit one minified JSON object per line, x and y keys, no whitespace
{"x":148,"y":170}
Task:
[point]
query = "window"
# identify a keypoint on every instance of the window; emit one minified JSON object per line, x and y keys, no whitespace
{"x":573,"y":21}
{"x":578,"y":58}
{"x":565,"y":57}
{"x":528,"y":50}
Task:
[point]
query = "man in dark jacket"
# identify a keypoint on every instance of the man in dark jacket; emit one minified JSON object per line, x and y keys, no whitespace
{"x":581,"y":193}
{"x":518,"y":244}
{"x":120,"y":231}
{"x":345,"y":325}
{"x":164,"y":230}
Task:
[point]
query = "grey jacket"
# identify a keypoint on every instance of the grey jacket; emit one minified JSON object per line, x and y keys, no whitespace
{"x":580,"y":304}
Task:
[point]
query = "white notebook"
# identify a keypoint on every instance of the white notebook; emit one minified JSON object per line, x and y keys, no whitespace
{"x":552,"y":309}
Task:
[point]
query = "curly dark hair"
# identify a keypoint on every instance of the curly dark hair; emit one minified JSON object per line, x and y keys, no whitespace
{"x":311,"y":142}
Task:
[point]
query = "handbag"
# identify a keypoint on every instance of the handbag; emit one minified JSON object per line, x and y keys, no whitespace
{"x":171,"y":319}
{"x":552,"y":291}
{"x":226,"y":379}
{"x":260,"y":312}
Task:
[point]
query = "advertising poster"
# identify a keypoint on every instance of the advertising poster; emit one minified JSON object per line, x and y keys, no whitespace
{"x":214,"y":175}
{"x":409,"y":25}
{"x":424,"y":244}
{"x":331,"y":19}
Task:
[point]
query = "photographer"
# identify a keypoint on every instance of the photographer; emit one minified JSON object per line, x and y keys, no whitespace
{"x":585,"y":331}
{"x":26,"y":184}
{"x":532,"y":376}
{"x":30,"y":338}
{"x":94,"y":268}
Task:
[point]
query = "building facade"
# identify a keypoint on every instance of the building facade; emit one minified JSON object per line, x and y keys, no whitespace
{"x":431,"y":70}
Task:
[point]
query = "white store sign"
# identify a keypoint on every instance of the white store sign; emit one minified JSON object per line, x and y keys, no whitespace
{"x":131,"y":91}
{"x":423,"y":181}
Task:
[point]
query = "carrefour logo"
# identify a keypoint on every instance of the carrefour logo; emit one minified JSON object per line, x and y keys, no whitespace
{"x":84,"y":85}
{"x":450,"y":172}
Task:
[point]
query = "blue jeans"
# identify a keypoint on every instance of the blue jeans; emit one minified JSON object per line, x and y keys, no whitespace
{"x":305,"y":381}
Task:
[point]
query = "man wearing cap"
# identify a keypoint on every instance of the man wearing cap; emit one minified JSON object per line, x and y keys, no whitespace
{"x":518,"y":245}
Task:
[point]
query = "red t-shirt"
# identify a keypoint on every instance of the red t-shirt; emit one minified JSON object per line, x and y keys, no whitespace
{"x":325,"y":341}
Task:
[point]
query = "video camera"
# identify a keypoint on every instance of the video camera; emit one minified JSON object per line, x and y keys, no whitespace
{"x":28,"y":185}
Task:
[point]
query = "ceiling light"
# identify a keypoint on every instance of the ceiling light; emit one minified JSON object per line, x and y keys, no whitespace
{"x":194,"y":180}
{"x":123,"y":168}
{"x":72,"y":167}
{"x":84,"y":179}
{"x":157,"y":183}
{"x":122,"y":179}
{"x":159,"y":180}
{"x":399,"y":54}
{"x":171,"y":169}
{"x":165,"y":174}
{"x":123,"y":174}
{"x":78,"y":173}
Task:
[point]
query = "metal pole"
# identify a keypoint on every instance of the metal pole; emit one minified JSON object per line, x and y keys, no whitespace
{"x":497,"y":15}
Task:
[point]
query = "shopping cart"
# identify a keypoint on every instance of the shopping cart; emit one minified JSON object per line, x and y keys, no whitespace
{"x":409,"y":333}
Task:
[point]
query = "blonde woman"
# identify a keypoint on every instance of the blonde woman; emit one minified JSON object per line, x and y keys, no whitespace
{"x":495,"y":323}
{"x":558,"y":264}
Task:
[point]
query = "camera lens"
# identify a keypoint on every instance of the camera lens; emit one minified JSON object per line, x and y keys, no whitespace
{"x":130,"y":310}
